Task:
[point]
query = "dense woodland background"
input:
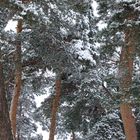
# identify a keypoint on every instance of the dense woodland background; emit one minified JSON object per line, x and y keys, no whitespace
{"x":84,"y":55}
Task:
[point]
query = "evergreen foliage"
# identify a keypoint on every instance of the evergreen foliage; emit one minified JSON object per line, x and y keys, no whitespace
{"x":64,"y":37}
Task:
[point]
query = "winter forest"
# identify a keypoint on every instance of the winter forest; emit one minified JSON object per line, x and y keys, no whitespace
{"x":70,"y":68}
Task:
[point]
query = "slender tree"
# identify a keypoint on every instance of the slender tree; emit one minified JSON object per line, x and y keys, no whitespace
{"x":121,"y":18}
{"x":18,"y":75}
{"x":55,"y":106}
{"x":125,"y":73}
{"x":5,"y":126}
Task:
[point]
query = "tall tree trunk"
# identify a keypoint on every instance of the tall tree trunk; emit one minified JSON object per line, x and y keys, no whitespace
{"x":125,"y":72}
{"x":55,"y":106}
{"x":18,"y":75}
{"x":5,"y":125}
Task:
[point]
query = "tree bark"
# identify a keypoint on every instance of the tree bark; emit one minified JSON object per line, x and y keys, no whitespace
{"x":55,"y":106}
{"x":128,"y":121}
{"x":3,"y":2}
{"x":125,"y":73}
{"x":5,"y":125}
{"x":73,"y":135}
{"x":18,"y":75}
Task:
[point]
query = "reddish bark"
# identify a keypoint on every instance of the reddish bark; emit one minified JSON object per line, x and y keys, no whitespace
{"x":55,"y":106}
{"x":128,"y":121}
{"x":125,"y":72}
{"x":17,"y":88}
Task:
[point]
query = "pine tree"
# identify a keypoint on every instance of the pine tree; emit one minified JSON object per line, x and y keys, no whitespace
{"x":5,"y":126}
{"x":59,"y":36}
{"x":55,"y":105}
{"x":125,"y":72}
{"x":121,"y":19}
{"x":18,"y":79}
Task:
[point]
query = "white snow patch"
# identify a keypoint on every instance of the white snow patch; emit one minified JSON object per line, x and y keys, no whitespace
{"x":11,"y":26}
{"x":45,"y":134}
{"x":94,"y":6}
{"x":101,"y":25}
{"x":118,"y":1}
{"x":39,"y":100}
{"x":83,"y":52}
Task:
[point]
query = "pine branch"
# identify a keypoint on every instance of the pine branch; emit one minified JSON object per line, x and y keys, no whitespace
{"x":107,"y":91}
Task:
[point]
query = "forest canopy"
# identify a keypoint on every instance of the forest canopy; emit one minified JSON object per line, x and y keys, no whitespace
{"x":70,"y":67}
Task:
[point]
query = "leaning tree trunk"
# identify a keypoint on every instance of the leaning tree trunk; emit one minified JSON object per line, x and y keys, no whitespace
{"x":18,"y":75}
{"x":55,"y":106}
{"x":5,"y":125}
{"x":125,"y":72}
